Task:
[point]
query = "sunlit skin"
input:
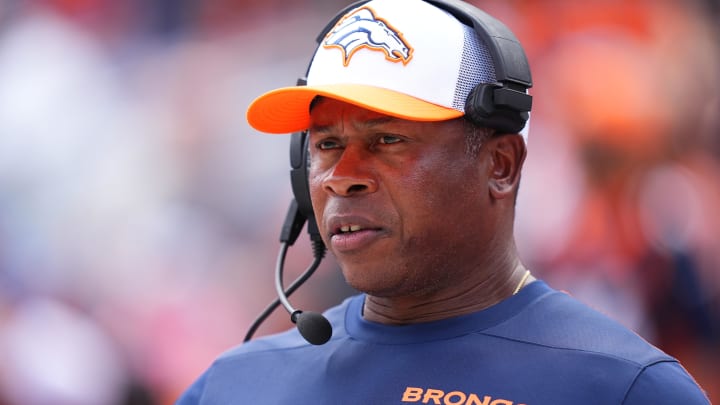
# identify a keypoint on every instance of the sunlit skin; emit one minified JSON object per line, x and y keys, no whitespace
{"x":433,"y":225}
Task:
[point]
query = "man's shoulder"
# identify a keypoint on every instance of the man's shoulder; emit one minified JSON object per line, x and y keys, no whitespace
{"x":558,"y":321}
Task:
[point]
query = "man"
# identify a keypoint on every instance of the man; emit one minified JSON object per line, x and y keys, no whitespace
{"x":414,"y":195}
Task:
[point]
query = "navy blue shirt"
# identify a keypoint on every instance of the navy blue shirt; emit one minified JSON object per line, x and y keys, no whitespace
{"x":538,"y":347}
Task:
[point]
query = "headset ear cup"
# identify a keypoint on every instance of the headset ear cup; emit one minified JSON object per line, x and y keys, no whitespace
{"x":299,"y":161}
{"x":299,"y":173}
{"x":479,"y":103}
{"x":503,"y":121}
{"x":481,"y":110}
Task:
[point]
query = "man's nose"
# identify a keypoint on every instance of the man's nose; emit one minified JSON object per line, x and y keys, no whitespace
{"x":352,"y":174}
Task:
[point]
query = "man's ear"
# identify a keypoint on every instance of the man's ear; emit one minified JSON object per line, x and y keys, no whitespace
{"x":508,"y":155}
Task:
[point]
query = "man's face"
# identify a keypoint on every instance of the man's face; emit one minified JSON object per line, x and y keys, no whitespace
{"x":400,"y":204}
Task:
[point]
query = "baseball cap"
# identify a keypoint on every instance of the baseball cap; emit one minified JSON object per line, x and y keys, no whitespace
{"x":403,"y":58}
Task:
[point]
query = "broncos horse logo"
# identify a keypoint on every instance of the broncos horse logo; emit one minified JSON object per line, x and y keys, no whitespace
{"x":361,"y":29}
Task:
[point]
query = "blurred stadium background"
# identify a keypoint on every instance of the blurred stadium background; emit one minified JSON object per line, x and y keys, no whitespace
{"x":139,"y":213}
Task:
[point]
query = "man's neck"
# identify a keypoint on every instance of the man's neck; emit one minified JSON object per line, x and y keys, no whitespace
{"x":460,"y":300}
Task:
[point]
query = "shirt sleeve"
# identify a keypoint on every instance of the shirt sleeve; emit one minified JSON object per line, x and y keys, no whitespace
{"x":665,"y":382}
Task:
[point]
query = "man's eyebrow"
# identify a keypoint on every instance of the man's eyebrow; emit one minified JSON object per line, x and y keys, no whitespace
{"x":320,"y":129}
{"x":377,"y":121}
{"x":365,"y":124}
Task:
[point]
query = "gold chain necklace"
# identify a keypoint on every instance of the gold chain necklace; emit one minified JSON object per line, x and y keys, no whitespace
{"x":522,"y":282}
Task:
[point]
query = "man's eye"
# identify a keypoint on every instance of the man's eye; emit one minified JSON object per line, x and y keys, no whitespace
{"x":326,"y":144}
{"x":389,"y":139}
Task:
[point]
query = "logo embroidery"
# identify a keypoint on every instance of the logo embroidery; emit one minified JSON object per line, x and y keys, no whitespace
{"x":361,"y":29}
{"x":435,"y":396}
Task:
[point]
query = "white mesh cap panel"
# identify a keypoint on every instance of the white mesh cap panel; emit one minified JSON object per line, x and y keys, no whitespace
{"x":476,"y":66}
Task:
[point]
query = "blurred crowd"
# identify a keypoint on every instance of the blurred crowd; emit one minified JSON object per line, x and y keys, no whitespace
{"x":140,"y":215}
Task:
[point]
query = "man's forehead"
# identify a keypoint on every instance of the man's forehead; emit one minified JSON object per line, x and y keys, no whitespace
{"x":327,"y":113}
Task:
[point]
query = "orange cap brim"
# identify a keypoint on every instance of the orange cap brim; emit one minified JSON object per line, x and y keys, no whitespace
{"x":287,"y":109}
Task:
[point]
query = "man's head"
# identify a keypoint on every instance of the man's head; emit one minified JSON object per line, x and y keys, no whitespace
{"x":405,"y":206}
{"x":410,"y":190}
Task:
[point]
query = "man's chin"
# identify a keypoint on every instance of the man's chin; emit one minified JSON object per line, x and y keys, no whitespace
{"x":379,"y":283}
{"x":365,"y":281}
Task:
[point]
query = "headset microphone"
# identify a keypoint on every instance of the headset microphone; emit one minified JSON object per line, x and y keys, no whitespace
{"x":314,"y":327}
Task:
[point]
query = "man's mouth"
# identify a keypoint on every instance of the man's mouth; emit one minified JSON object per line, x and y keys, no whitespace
{"x":351,"y":237}
{"x":349,"y":228}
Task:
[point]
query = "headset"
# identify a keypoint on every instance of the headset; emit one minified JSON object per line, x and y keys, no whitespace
{"x":504,"y":106}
